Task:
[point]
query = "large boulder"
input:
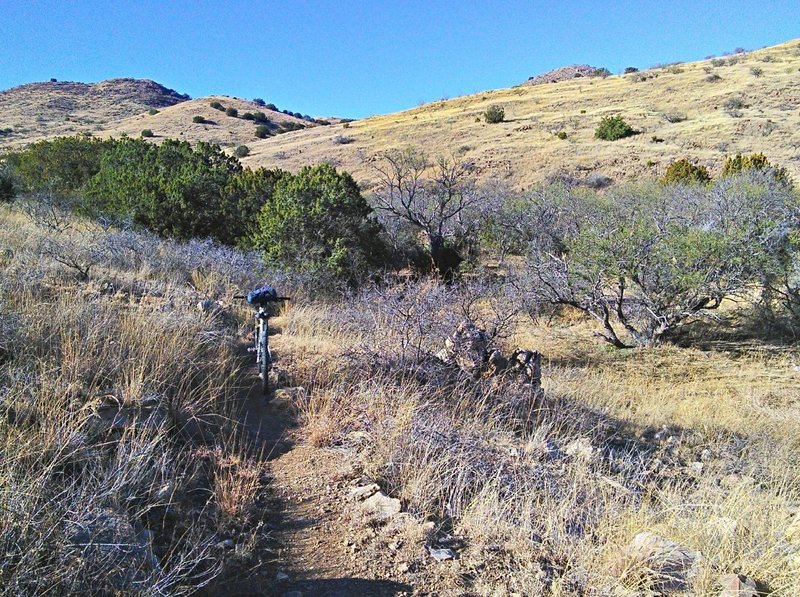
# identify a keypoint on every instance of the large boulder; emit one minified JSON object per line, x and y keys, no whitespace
{"x":467,"y":348}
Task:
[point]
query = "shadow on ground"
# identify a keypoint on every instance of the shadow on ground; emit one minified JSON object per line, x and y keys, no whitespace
{"x":341,"y":587}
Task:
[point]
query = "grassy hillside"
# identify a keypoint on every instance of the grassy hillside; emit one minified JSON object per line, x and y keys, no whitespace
{"x":43,"y":110}
{"x":702,"y":111}
{"x":682,"y":106}
{"x":176,"y":122}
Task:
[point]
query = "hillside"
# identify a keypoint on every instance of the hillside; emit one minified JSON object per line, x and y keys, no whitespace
{"x":680,"y":111}
{"x":49,"y":109}
{"x":175,"y":122}
{"x":702,"y":111}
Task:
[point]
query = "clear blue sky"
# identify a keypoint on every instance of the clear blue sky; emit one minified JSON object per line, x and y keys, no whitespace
{"x":356,"y":58}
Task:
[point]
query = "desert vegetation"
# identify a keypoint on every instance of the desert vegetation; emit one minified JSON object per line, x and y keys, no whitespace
{"x":558,"y":388}
{"x":122,"y":472}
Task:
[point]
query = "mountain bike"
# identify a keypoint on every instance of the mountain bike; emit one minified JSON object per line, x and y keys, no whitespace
{"x":263,"y":298}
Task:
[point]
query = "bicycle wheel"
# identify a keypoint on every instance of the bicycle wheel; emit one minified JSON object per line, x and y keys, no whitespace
{"x":265,"y":359}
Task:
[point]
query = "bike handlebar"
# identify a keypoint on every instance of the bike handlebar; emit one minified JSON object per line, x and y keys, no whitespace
{"x":277,"y":298}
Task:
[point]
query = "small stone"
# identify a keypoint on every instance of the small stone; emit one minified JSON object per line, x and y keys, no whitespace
{"x":281,"y":577}
{"x":403,"y":567}
{"x":381,"y":506}
{"x":722,"y":526}
{"x":697,"y":467}
{"x":733,"y":480}
{"x":440,"y":555}
{"x":164,"y":493}
{"x":706,"y":455}
{"x":734,"y":585}
{"x":792,"y":532}
{"x":205,"y":306}
{"x":226,"y":544}
{"x":580,"y":449}
{"x":362,"y":493}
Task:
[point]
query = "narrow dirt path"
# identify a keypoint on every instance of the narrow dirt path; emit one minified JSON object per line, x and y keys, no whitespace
{"x":317,"y":550}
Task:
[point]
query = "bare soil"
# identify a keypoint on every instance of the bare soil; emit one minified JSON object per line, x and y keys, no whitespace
{"x":322,"y":545}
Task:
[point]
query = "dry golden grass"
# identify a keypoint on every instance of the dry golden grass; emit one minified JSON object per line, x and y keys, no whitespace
{"x":524,"y":149}
{"x":697,"y":446}
{"x":121,"y":466}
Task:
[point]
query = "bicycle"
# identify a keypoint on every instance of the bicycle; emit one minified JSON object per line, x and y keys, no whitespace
{"x":262,"y":298}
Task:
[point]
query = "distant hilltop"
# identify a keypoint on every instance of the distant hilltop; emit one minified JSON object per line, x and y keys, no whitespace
{"x":565,"y":73}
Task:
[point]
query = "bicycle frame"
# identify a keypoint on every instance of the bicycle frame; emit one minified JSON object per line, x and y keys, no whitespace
{"x":261,"y":342}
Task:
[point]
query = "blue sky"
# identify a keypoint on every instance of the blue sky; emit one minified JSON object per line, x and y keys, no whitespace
{"x":356,"y":58}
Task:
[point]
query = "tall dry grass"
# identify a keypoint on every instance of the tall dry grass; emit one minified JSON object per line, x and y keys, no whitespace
{"x":122,"y":467}
{"x":546,"y":491}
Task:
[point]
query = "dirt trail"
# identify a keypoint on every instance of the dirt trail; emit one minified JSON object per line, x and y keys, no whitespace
{"x":317,"y":546}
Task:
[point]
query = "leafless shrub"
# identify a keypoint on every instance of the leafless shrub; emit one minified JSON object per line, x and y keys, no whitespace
{"x":80,"y":256}
{"x":48,"y":212}
{"x":674,"y":117}
{"x":596,"y":180}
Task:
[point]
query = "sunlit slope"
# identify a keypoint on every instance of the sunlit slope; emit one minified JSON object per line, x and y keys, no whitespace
{"x":176,"y":122}
{"x":45,"y":110}
{"x":681,"y":111}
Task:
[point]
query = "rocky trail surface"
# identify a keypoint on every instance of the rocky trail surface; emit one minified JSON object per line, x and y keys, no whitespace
{"x":333,"y":533}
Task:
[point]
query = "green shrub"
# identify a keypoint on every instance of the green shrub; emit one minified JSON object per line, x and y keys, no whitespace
{"x":271,"y":107}
{"x":172,"y":189}
{"x":561,"y":135}
{"x":217,"y":106}
{"x":258,"y":101}
{"x":232,"y":112}
{"x":7,"y":187}
{"x":685,"y":253}
{"x":757,"y":161}
{"x":733,"y":103}
{"x":248,"y":116}
{"x":317,"y":221}
{"x":147,"y":133}
{"x":59,"y":167}
{"x":260,"y":117}
{"x":287,"y":127}
{"x":494,"y":114}
{"x":152,"y":111}
{"x":198,"y":119}
{"x":242,"y":151}
{"x":684,"y":172}
{"x":262,"y":131}
{"x":756,"y":71}
{"x":612,"y":128}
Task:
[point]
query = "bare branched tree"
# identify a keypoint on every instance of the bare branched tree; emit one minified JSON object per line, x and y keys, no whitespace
{"x":435,"y":197}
